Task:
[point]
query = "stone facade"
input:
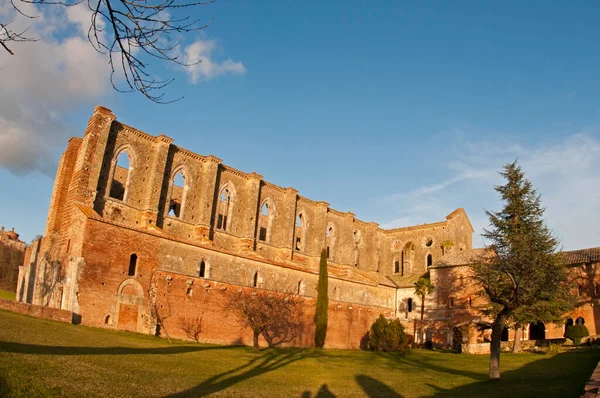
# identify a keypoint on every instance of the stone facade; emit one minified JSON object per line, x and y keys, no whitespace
{"x":12,"y":250}
{"x":138,"y":226}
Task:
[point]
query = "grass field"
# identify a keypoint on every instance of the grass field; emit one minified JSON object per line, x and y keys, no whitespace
{"x":44,"y":358}
{"x":5,"y":294}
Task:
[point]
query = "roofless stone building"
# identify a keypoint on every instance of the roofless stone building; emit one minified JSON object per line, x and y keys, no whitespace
{"x":138,"y":225}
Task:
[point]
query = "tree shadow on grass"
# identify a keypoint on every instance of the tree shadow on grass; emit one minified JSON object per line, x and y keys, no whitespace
{"x":323,"y":392}
{"x":271,"y":360}
{"x":21,"y":348}
{"x":561,"y":375}
{"x":430,"y":365}
{"x":375,"y":388}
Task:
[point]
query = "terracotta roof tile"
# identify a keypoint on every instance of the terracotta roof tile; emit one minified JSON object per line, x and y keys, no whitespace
{"x":589,"y":255}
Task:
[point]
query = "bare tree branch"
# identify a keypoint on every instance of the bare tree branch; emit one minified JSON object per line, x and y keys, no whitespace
{"x":130,"y":33}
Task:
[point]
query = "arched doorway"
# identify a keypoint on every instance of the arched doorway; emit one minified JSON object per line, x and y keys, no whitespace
{"x":537,"y":331}
{"x":129,"y":305}
{"x":504,"y":336}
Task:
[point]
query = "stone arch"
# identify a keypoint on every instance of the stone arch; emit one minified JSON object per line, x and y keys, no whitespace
{"x":266,"y":214}
{"x":225,"y":204}
{"x":257,"y":280}
{"x":204,"y":269}
{"x":177,"y":195}
{"x":428,"y":260}
{"x":301,"y":288}
{"x":408,"y":258}
{"x":568,"y":323}
{"x":129,"y":308}
{"x":537,"y":331}
{"x":119,"y":180}
{"x":300,"y":227}
{"x":330,"y":238}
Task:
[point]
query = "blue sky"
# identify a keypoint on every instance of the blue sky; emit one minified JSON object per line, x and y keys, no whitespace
{"x":399,"y":112}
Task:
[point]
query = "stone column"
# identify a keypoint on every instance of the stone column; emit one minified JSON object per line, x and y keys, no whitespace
{"x":206,"y":198}
{"x":156,"y":180}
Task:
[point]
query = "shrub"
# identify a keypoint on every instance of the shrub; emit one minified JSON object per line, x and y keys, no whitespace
{"x":554,"y":349}
{"x":365,"y":341}
{"x":593,"y":342}
{"x":388,"y":335}
{"x":576,"y":332}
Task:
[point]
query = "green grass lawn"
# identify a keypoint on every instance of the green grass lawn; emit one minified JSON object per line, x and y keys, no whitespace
{"x":5,"y":294}
{"x":45,"y":358}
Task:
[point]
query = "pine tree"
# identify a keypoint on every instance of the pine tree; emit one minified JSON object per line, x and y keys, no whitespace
{"x":522,"y":270}
{"x":322,"y":303}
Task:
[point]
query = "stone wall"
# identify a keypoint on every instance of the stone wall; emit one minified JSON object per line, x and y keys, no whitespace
{"x":36,"y":311}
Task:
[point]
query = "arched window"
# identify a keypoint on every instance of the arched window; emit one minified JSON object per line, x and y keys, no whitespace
{"x":257,"y":281}
{"x":330,"y":240}
{"x":537,"y":331}
{"x":396,"y":265}
{"x":300,"y":235}
{"x":356,"y":256}
{"x":132,"y":265}
{"x":202,"y":271}
{"x":177,"y":195}
{"x":580,"y":321}
{"x":409,"y":305}
{"x":300,"y":288}
{"x":120,"y":176}
{"x":408,"y":256}
{"x":224,"y":208}
{"x":470,"y":302}
{"x":568,"y":323}
{"x":451,"y":303}
{"x":429,"y":260}
{"x":265,"y":218}
{"x":107,"y":320}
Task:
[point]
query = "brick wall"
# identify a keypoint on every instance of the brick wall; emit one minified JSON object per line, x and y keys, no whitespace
{"x":37,"y":311}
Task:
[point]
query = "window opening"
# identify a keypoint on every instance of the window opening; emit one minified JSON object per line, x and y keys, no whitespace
{"x":132,"y":265}
{"x":120,"y":175}
{"x":224,"y":202}
{"x":202,"y":269}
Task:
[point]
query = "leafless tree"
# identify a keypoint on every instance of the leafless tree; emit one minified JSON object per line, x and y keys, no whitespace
{"x":275,"y":316}
{"x":131,"y":33}
{"x":192,"y":328}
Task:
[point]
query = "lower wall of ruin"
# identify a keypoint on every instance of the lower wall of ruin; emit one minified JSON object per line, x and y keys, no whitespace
{"x":37,"y":311}
{"x":110,"y":298}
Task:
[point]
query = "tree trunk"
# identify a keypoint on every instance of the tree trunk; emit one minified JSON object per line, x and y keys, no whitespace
{"x":421,"y":323}
{"x":256,"y":347}
{"x":517,"y":344}
{"x":497,"y":328}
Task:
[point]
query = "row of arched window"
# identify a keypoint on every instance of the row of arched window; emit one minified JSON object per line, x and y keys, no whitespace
{"x":123,"y":164}
{"x":403,"y":264}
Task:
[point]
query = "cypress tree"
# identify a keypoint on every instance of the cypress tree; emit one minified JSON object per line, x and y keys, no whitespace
{"x":322,"y":303}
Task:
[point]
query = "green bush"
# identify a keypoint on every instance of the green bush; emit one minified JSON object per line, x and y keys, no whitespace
{"x":554,"y":349}
{"x":388,"y":335}
{"x":576,"y":332}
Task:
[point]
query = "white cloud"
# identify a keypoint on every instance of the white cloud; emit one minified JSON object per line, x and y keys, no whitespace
{"x":202,"y":67}
{"x":565,"y":172}
{"x":48,"y":79}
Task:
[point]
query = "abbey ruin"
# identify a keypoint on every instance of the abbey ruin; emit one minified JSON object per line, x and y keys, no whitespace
{"x":139,"y":227}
